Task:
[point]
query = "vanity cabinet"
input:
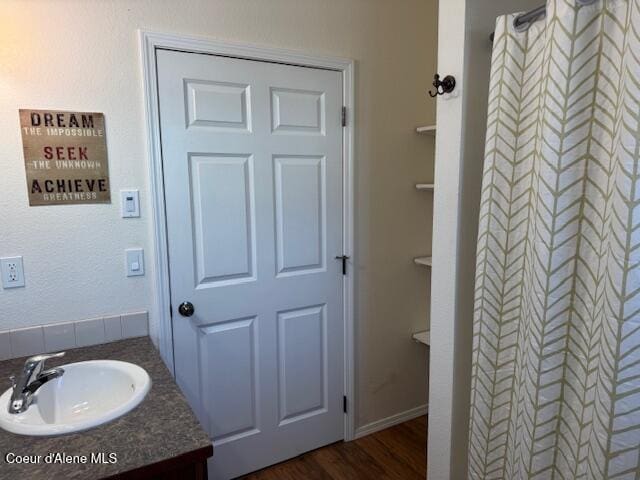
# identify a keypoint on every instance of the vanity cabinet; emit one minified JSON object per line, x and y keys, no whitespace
{"x":160,"y":439}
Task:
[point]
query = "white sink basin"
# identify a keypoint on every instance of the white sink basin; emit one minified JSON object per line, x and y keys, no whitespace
{"x":87,"y":395}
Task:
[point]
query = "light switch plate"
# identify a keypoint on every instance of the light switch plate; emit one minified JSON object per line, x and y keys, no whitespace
{"x":135,"y":262}
{"x":12,"y":272}
{"x":129,"y":203}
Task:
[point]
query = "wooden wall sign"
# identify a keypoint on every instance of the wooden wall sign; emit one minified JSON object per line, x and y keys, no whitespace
{"x":65,"y":157}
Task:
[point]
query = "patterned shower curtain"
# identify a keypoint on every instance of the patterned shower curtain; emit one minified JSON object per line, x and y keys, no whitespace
{"x":556,"y":353}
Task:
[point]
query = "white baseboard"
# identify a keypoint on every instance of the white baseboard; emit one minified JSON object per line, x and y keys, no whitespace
{"x":391,"y":421}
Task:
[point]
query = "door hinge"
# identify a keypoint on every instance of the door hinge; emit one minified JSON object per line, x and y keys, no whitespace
{"x":344,"y":116}
{"x":344,"y":404}
{"x":344,"y":259}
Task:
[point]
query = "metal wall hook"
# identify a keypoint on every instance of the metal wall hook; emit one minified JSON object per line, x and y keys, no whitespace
{"x":446,"y":85}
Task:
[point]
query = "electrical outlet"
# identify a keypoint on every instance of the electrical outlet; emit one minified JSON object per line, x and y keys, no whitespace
{"x":12,"y":272}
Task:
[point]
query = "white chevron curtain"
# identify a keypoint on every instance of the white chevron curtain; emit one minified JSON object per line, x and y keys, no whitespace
{"x":556,"y":353}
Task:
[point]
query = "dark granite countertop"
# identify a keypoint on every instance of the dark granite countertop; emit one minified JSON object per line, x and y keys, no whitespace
{"x":161,"y":430}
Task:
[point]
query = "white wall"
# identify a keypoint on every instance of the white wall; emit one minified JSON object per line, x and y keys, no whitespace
{"x":465,"y":50}
{"x":446,"y":243}
{"x":83,"y":55}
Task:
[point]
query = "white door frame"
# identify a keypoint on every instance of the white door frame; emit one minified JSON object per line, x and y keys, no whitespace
{"x":149,"y":43}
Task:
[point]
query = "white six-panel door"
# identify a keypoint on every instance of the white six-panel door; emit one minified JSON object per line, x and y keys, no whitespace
{"x":252,"y":159}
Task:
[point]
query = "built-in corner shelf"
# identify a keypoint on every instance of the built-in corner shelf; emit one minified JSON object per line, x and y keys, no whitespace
{"x":427,"y":130}
{"x":424,"y":261}
{"x":422,"y":337}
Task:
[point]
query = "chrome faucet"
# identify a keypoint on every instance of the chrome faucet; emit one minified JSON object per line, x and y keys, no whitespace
{"x":31,"y":379}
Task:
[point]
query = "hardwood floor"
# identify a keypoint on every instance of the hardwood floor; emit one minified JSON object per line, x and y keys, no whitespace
{"x":397,"y":453}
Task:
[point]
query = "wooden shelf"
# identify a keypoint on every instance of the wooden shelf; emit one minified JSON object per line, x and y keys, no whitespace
{"x":423,"y":261}
{"x":422,"y":337}
{"x":425,"y":186}
{"x":427,"y":130}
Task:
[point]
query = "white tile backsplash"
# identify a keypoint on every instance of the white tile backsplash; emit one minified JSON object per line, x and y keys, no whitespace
{"x":5,"y":346}
{"x":135,"y":325}
{"x":26,"y":341}
{"x":54,"y":337}
{"x":112,"y":328}
{"x":59,"y":336}
{"x":90,"y":332}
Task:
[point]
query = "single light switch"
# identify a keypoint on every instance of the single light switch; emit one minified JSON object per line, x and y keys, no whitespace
{"x":135,"y":262}
{"x":130,"y":203}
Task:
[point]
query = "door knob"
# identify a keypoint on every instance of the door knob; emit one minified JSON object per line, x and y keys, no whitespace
{"x":186,"y":309}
